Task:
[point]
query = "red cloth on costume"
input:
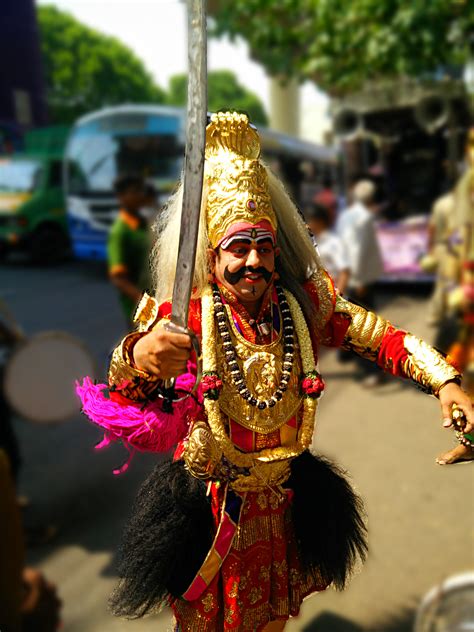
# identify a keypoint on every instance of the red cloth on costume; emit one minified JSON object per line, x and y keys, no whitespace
{"x":260,"y":579}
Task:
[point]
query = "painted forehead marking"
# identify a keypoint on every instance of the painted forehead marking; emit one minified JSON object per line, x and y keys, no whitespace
{"x":250,"y":235}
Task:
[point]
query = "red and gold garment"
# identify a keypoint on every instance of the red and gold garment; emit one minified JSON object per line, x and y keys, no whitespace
{"x":259,"y":576}
{"x":260,"y":579}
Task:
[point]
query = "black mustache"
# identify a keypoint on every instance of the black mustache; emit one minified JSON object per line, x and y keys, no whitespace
{"x":234,"y":277}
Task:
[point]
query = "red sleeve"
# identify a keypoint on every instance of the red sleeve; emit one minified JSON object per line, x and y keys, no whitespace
{"x":194,"y":321}
{"x":330,"y":327}
{"x":392,"y":353}
{"x":335,"y":330}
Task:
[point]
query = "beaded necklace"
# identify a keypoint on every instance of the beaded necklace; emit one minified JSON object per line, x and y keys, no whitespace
{"x":211,"y":393}
{"x":231,"y":358}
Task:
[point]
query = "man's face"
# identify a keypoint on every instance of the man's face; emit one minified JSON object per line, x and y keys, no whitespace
{"x":132,"y":198}
{"x":316,"y":226}
{"x":245,"y":268}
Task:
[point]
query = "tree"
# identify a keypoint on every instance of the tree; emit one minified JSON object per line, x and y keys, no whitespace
{"x":341,"y":44}
{"x":225,"y":92}
{"x":86,"y":70}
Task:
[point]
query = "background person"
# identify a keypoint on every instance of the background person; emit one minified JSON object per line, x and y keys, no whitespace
{"x":8,"y":439}
{"x":439,"y":231}
{"x":28,"y":602}
{"x":356,"y":228}
{"x":128,"y":245}
{"x":329,"y":245}
{"x":327,"y":198}
{"x":150,"y":203}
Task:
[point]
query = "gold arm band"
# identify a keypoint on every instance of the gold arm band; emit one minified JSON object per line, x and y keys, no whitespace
{"x":146,"y":313}
{"x":124,"y":376}
{"x":426,"y":366}
{"x":366,"y":331}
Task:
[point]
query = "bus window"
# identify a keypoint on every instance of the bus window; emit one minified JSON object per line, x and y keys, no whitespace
{"x":101,"y":158}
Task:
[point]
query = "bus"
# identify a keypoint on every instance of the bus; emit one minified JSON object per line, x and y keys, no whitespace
{"x":150,"y":140}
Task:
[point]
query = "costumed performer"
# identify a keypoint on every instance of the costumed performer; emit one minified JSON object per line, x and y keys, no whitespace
{"x":244,"y":522}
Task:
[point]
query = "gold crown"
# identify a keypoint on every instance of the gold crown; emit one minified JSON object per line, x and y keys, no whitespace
{"x":237,"y":181}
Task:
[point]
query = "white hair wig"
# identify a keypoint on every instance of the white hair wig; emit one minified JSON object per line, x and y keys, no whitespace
{"x":298,"y":258}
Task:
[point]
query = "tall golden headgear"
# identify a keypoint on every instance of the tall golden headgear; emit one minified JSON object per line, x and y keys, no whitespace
{"x":237,"y":181}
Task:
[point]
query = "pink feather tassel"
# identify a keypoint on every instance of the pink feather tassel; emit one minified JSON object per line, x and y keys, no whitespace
{"x":139,"y":427}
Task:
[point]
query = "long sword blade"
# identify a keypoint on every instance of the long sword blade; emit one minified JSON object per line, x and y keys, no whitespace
{"x":194,"y":160}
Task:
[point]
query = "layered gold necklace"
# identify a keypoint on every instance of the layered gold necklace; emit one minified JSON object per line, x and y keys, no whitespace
{"x":216,"y":419}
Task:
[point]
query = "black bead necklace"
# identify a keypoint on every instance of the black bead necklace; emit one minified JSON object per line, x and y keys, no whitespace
{"x":231,"y":358}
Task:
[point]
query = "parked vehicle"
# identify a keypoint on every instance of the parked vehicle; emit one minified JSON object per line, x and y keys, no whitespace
{"x":32,"y":207}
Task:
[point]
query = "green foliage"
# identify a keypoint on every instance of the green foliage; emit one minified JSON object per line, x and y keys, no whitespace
{"x":341,"y":44}
{"x":86,"y":70}
{"x":225,"y":92}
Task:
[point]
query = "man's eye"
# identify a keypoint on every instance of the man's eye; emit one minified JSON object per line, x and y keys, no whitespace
{"x":265,"y":251}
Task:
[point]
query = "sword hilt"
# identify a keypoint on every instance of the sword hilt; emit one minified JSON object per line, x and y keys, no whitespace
{"x":169,"y":384}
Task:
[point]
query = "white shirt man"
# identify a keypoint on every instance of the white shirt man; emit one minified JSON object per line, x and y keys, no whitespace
{"x":356,"y":227}
{"x":329,"y":245}
{"x":332,"y":253}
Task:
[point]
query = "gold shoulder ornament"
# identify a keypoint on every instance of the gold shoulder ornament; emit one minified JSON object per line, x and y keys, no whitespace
{"x":366,"y":331}
{"x":326,"y":297}
{"x":146,"y":313}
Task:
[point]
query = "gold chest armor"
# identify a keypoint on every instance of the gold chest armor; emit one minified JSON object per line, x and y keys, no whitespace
{"x":261,"y":366}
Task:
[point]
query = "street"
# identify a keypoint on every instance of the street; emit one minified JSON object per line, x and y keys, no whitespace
{"x":420,"y":515}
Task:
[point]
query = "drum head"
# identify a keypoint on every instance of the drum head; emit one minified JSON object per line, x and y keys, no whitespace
{"x":40,"y":376}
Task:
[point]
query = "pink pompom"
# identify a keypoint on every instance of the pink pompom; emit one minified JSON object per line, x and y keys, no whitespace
{"x":139,"y":427}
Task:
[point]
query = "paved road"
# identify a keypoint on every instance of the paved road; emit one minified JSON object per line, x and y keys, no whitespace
{"x":420,"y":515}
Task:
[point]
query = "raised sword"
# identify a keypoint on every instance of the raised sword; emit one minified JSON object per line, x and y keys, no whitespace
{"x":193,"y":173}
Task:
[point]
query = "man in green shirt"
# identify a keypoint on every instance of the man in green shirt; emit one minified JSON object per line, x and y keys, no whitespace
{"x":128,"y":245}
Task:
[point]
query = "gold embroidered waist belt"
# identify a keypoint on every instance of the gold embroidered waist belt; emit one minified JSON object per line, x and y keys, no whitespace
{"x":205,"y":460}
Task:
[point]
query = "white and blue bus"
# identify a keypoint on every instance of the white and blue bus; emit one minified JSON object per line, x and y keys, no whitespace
{"x":149,"y":140}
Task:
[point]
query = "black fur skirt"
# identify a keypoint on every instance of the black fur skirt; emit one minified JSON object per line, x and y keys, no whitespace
{"x":171,"y":531}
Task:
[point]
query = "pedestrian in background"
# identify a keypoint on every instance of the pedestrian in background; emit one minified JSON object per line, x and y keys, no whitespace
{"x":327,"y":198}
{"x":8,"y":439}
{"x":440,"y":257}
{"x":356,"y":228}
{"x":329,"y":245}
{"x":128,"y":245}
{"x":28,"y":601}
{"x":150,"y":203}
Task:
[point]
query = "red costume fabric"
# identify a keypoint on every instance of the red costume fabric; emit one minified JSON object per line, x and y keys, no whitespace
{"x":260,"y":579}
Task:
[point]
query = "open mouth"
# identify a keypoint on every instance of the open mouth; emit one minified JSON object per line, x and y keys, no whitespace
{"x":252,"y":277}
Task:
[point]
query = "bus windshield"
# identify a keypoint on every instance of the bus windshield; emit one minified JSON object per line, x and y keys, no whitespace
{"x":19,"y":176}
{"x":99,"y":151}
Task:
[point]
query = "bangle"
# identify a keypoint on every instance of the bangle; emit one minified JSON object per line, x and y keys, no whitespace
{"x":454,"y":380}
{"x":466,"y":439}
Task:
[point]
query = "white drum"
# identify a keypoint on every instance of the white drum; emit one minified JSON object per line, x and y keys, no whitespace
{"x":40,"y":376}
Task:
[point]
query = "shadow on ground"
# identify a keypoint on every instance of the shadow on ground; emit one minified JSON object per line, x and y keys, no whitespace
{"x":330,"y":622}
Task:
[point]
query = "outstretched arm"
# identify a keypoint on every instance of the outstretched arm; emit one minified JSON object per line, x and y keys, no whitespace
{"x":402,"y":354}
